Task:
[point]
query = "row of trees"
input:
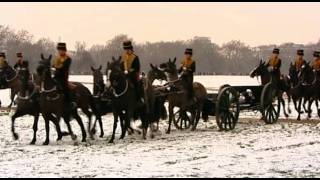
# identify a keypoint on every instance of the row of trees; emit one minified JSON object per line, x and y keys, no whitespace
{"x":234,"y":57}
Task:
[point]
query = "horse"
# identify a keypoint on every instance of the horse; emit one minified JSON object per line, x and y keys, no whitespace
{"x":27,"y":102}
{"x":298,"y":90}
{"x":265,"y":76}
{"x":52,"y":101}
{"x":8,"y":79}
{"x":180,"y":98}
{"x":124,"y":100}
{"x":310,"y":79}
{"x":101,"y":100}
{"x":154,"y":98}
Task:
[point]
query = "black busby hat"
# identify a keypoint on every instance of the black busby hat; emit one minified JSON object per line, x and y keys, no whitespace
{"x":2,"y":54}
{"x":316,"y":54}
{"x":19,"y":55}
{"x":300,"y":52}
{"x":276,"y":51}
{"x":62,"y":46}
{"x":188,"y":51}
{"x":127,"y":45}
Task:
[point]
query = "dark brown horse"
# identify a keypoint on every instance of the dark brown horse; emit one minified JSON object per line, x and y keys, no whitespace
{"x":52,"y":100}
{"x":181,"y":98}
{"x":27,"y":101}
{"x":101,"y":100}
{"x":9,"y":80}
{"x":124,"y":100}
{"x":262,"y":71}
{"x":311,"y":81}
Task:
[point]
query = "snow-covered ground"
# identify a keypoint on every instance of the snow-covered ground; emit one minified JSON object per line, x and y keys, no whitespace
{"x":253,"y":149}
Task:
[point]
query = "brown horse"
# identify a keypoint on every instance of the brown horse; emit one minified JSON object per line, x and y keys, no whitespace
{"x":9,"y":80}
{"x":101,"y":99}
{"x":124,"y":100}
{"x":283,"y":85}
{"x":181,"y":98}
{"x":52,"y":100}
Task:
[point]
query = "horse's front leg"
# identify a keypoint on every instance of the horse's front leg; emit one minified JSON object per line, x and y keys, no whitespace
{"x":170,"y":118}
{"x":13,"y":118}
{"x":299,"y":109}
{"x":46,"y":121}
{"x":284,"y":107}
{"x":12,"y":95}
{"x":309,"y":108}
{"x":115,"y":122}
{"x":35,"y":128}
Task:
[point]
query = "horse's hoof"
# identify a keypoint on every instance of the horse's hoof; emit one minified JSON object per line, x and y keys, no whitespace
{"x":59,"y":138}
{"x":167,"y":132}
{"x":286,"y":115}
{"x":46,"y":143}
{"x":111,"y":141}
{"x":93,"y":131}
{"x":84,"y":140}
{"x":193,"y":129}
{"x":101,"y":135}
{"x":33,"y":142}
{"x":15,"y":136}
{"x":74,"y":137}
{"x":152,"y":136}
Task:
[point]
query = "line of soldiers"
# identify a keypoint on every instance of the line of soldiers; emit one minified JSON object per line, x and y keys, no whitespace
{"x":274,"y":62}
{"x":131,"y":65}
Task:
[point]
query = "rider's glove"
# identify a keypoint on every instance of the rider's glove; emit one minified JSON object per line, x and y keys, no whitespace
{"x":126,"y":72}
{"x":184,"y":68}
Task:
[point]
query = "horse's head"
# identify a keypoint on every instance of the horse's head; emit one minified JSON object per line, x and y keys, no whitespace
{"x":98,"y":85}
{"x":259,"y":70}
{"x":114,"y":72}
{"x":293,"y":74}
{"x":23,"y":72}
{"x":44,"y":67}
{"x":97,"y":75}
{"x":156,"y":73}
{"x":169,"y":66}
{"x":306,"y":74}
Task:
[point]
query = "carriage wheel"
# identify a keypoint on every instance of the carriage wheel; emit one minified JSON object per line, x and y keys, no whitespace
{"x":222,"y":87}
{"x":270,"y":104}
{"x":227,"y":108}
{"x":182,"y":122}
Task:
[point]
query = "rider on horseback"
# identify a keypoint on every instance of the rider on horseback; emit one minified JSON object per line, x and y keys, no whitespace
{"x":61,"y":66}
{"x":274,"y":63}
{"x":130,"y":64}
{"x":316,"y":61}
{"x":299,"y":61}
{"x":19,"y":62}
{"x":188,"y":66}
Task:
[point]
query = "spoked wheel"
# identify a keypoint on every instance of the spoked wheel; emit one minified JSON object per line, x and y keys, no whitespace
{"x":183,"y":121}
{"x":270,"y":104}
{"x":227,"y":108}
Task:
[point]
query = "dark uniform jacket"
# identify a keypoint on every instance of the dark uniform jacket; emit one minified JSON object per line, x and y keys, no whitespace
{"x":316,"y":64}
{"x":62,"y":66}
{"x":131,"y":63}
{"x":189,"y":64}
{"x":18,"y":64}
{"x":276,"y":64}
{"x":299,"y":62}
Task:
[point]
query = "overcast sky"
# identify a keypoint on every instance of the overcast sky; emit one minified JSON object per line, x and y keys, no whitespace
{"x":95,"y":23}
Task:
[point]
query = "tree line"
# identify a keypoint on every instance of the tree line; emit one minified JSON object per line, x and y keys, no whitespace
{"x":233,"y":57}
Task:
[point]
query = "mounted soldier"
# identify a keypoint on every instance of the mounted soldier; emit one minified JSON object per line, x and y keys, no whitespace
{"x":299,"y":61}
{"x":19,"y":62}
{"x":274,"y":64}
{"x":130,"y":64}
{"x":61,"y":66}
{"x":188,"y":67}
{"x":316,"y":61}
